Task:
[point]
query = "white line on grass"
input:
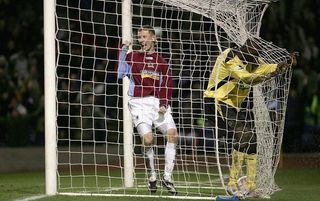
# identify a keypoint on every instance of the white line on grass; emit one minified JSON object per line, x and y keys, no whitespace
{"x":37,"y":197}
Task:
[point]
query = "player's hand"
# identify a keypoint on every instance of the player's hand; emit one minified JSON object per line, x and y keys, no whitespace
{"x":126,"y":42}
{"x":282,"y":66}
{"x":126,"y":45}
{"x":162,"y":109}
{"x":293,"y":58}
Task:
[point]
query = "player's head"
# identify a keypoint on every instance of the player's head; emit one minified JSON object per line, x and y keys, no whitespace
{"x":250,"y":50}
{"x":251,"y":46}
{"x":147,"y":38}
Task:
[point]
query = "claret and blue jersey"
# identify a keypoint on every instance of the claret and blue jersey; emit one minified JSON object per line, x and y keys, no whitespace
{"x":149,"y":74}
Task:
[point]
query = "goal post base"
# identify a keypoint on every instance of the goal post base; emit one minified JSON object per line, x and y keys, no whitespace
{"x":227,"y":198}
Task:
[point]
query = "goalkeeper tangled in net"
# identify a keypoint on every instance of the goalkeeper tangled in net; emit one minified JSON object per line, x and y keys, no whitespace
{"x":229,"y":91}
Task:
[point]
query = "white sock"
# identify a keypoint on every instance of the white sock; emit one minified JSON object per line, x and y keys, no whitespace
{"x":150,"y":163}
{"x":170,"y":155}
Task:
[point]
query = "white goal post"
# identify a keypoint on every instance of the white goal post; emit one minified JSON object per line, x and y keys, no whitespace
{"x":50,"y":97}
{"x":92,"y":147}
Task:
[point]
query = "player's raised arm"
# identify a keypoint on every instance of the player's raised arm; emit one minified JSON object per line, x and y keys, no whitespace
{"x":123,"y":66}
{"x":290,"y":61}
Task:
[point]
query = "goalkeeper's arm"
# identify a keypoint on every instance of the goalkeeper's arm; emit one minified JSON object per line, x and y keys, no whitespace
{"x":283,"y":66}
{"x":290,"y":61}
{"x":261,"y":73}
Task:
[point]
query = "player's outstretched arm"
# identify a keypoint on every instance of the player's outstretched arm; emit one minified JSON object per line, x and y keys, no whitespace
{"x":123,"y":66}
{"x":291,"y":61}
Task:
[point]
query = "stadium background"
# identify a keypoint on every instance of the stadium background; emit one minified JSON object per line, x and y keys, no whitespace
{"x":290,"y":24}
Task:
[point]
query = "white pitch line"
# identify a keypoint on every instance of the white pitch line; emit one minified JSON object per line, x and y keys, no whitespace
{"x":37,"y":197}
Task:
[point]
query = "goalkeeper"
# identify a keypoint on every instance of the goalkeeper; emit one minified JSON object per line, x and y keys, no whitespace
{"x":234,"y":74}
{"x":150,"y":93}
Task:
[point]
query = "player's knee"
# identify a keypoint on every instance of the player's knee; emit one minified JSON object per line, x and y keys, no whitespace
{"x":245,"y":140}
{"x":147,"y":139}
{"x":244,"y":135}
{"x":252,"y":148}
{"x":172,"y":135}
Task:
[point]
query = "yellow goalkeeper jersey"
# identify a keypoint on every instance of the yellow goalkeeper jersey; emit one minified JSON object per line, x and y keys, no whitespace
{"x":234,"y":79}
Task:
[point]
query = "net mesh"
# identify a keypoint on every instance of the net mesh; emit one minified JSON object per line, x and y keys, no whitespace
{"x":191,"y":35}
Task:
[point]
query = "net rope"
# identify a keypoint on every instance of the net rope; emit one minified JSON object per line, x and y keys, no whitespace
{"x":191,"y":35}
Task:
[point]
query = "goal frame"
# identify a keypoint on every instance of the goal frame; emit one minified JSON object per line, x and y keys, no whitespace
{"x":51,"y":104}
{"x":50,"y":97}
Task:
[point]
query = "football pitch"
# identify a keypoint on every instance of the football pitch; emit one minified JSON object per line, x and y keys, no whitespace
{"x":297,"y":185}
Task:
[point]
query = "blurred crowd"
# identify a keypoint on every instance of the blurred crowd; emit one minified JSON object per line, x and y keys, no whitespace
{"x":21,"y":73}
{"x":293,"y":25}
{"x":21,"y":99}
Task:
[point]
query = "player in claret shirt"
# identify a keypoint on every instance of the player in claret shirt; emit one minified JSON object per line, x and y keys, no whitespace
{"x":150,"y":93}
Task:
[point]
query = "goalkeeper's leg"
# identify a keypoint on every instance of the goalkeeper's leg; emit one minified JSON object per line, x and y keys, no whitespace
{"x":235,"y":169}
{"x":250,"y":148}
{"x":251,"y":161}
{"x":244,"y":147}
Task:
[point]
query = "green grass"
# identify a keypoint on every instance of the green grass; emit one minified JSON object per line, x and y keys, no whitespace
{"x":296,"y":184}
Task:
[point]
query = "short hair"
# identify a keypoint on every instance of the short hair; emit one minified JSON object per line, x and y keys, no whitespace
{"x":148,"y":28}
{"x":251,"y":46}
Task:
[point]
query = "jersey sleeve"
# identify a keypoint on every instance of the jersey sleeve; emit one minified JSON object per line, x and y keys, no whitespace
{"x":245,"y":73}
{"x":123,"y":66}
{"x":266,"y":69}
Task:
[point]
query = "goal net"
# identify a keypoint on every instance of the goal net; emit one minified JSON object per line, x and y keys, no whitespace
{"x":190,"y":36}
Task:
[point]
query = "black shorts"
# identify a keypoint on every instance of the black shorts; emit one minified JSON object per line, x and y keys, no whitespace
{"x":235,"y":126}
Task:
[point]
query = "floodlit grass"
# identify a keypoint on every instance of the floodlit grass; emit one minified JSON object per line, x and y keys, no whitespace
{"x":296,"y":184}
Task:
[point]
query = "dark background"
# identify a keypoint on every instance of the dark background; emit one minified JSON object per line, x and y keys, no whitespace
{"x":292,"y":24}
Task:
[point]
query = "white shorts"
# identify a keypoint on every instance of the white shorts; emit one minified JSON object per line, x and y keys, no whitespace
{"x":145,"y":110}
